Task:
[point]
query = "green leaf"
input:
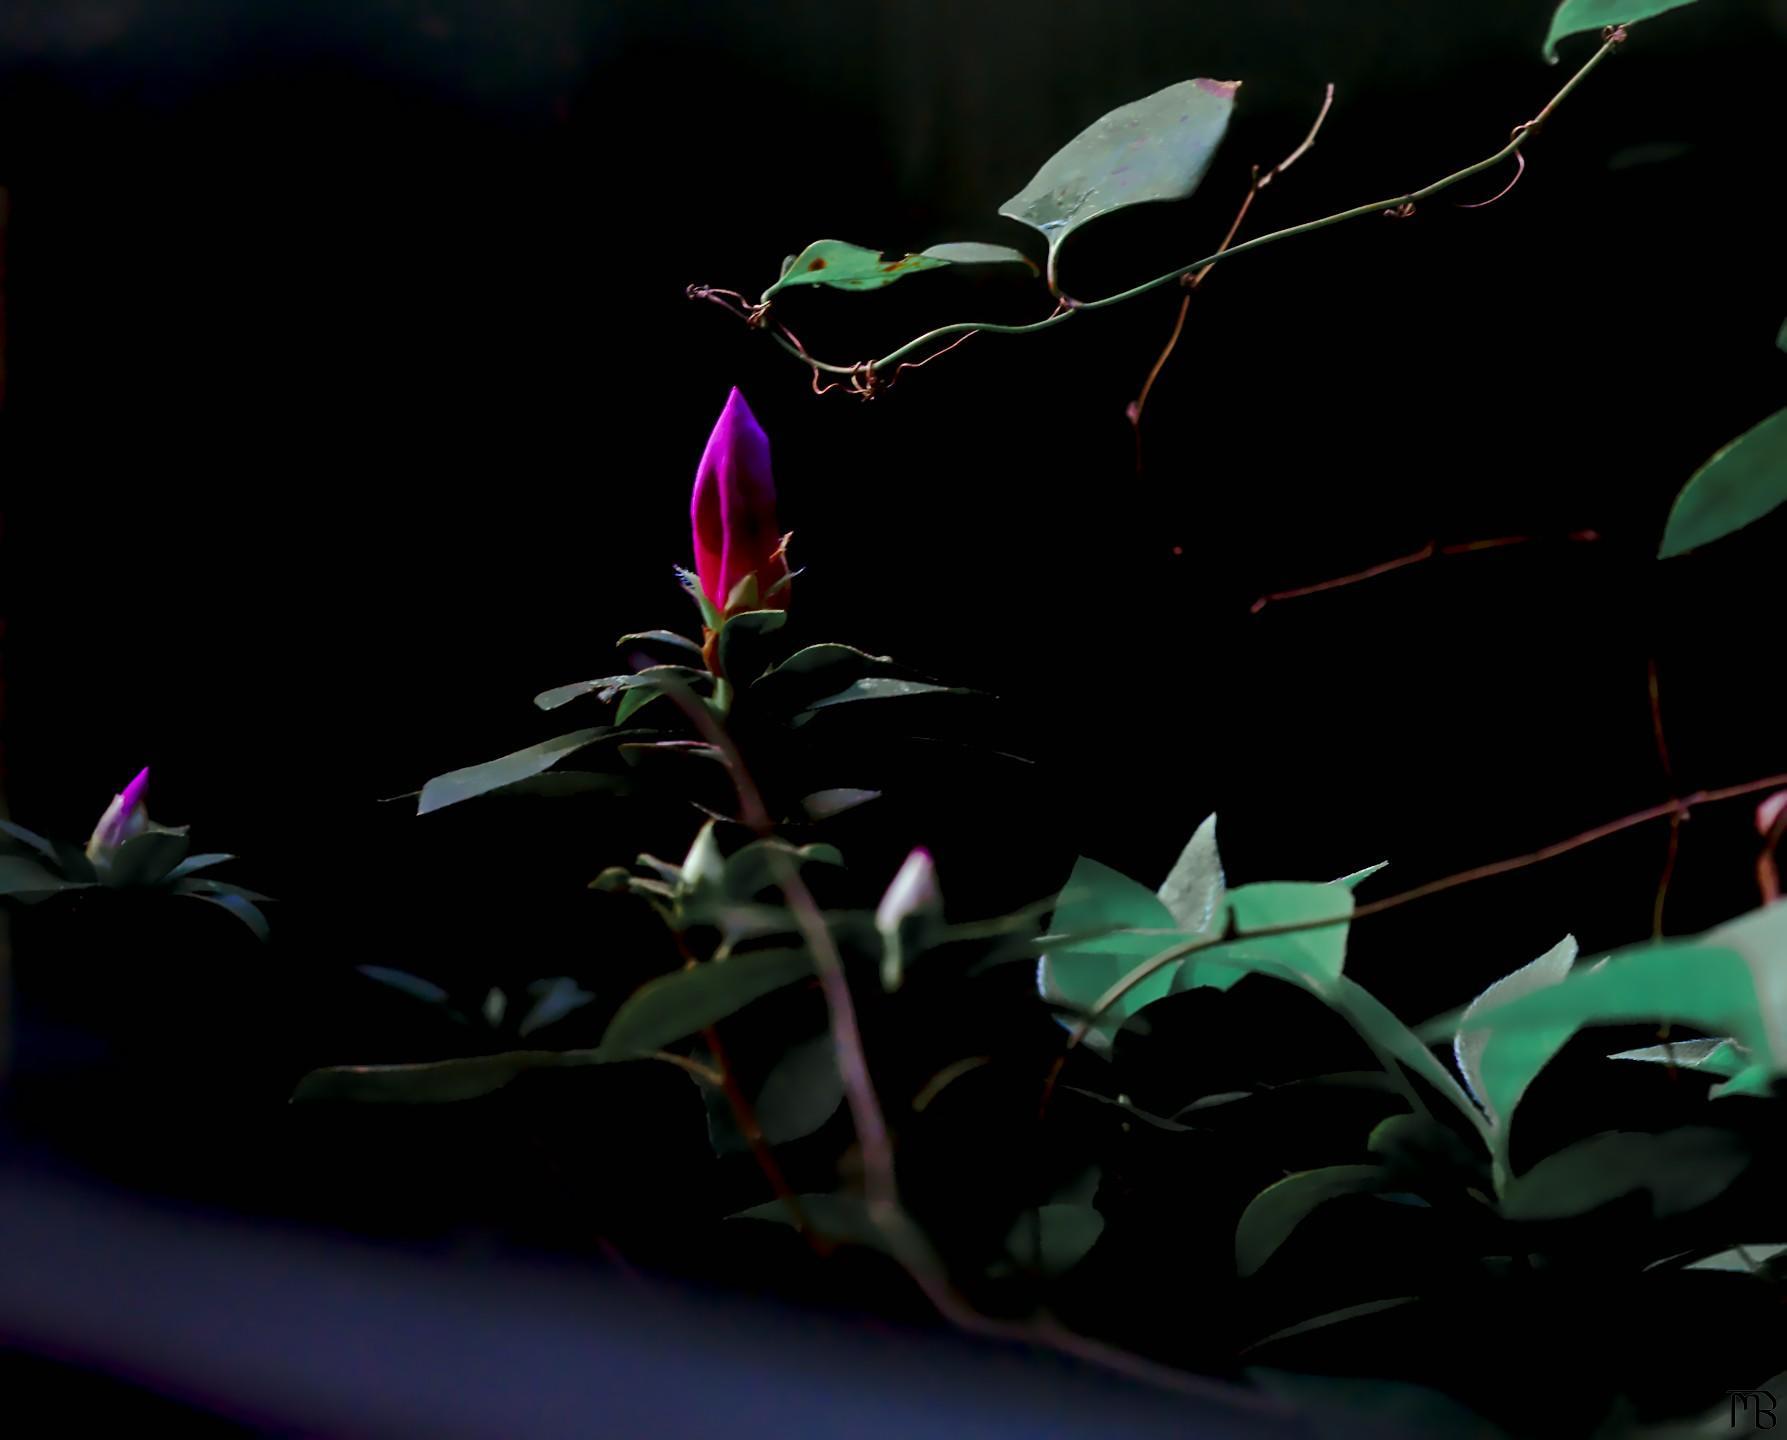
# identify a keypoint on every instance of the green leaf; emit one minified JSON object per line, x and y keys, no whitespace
{"x":194,"y":863}
{"x":976,"y":252}
{"x":1156,"y":148}
{"x":1333,"y":1317}
{"x":675,"y":1006}
{"x":1396,"y":1045}
{"x":1715,"y":1057}
{"x":635,"y":697}
{"x":1573,"y":17}
{"x":829,"y":661}
{"x":475,"y":780}
{"x":742,"y":634}
{"x":609,"y":686}
{"x":243,"y":909}
{"x":1499,"y":1065}
{"x":1742,"y":483}
{"x":843,"y":266}
{"x":22,"y":876}
{"x":881,"y":687}
{"x":823,"y":804}
{"x":801,"y":1092}
{"x":146,"y":859}
{"x":1055,"y":1237}
{"x":1681,"y":1170}
{"x":435,"y":1082}
{"x":1359,"y":877}
{"x":1108,"y":924}
{"x":1781,"y":339}
{"x":1744,"y":1260}
{"x":1194,"y":891}
{"x":1317,"y":954}
{"x":1279,"y":1209}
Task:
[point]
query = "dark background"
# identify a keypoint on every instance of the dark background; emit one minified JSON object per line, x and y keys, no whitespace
{"x":352,"y":397}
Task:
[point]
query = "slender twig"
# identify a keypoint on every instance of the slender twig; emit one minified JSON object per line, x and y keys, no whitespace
{"x":1430,"y":551}
{"x":1661,"y":740}
{"x":1677,"y":806}
{"x":1261,"y":179}
{"x":1397,"y":205}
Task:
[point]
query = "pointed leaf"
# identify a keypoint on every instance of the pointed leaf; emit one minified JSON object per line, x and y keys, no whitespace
{"x":844,"y":266}
{"x":1573,"y":17}
{"x":1055,"y":1237}
{"x":1499,"y":1066}
{"x":29,"y":838}
{"x":553,"y":1000}
{"x":1279,"y":1209}
{"x":675,"y":1006}
{"x":244,"y":910}
{"x":194,"y":863}
{"x":474,"y":780}
{"x":823,"y":804}
{"x":742,"y":634}
{"x":434,"y":1082}
{"x":608,"y":686}
{"x":1194,"y":891}
{"x":146,"y":859}
{"x":881,"y":687}
{"x":1359,"y":877}
{"x":1715,"y":1057}
{"x":801,"y":1092}
{"x":975,"y":252}
{"x":1156,"y":148}
{"x":1742,"y":483}
{"x":1681,"y":1170}
{"x":660,"y":637}
{"x":401,"y":980}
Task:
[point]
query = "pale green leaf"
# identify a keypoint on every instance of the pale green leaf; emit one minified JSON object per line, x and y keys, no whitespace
{"x":1741,"y":484}
{"x":1574,"y":17}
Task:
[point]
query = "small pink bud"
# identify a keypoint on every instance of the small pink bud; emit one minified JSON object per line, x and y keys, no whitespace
{"x":1769,"y":811}
{"x":124,"y":819}
{"x":913,"y":891}
{"x":733,"y":515}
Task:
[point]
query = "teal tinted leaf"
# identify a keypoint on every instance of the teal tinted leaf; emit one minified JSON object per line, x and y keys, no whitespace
{"x":1108,"y":924}
{"x":1279,"y":1209}
{"x":1715,"y":1057}
{"x":205,"y":885}
{"x":1358,"y":877}
{"x":1574,"y":17}
{"x":609,"y":686}
{"x":1781,"y":339}
{"x":675,"y":1006}
{"x":1742,"y":483}
{"x":1498,"y":1066}
{"x":146,"y":859}
{"x":1194,"y":891}
{"x":823,"y":804}
{"x":843,"y":266}
{"x":1156,"y":148}
{"x":1319,"y":954}
{"x":829,"y":661}
{"x":243,"y":909}
{"x":1056,"y":1237}
{"x":29,"y":838}
{"x":474,"y":780}
{"x":801,"y":1092}
{"x":1743,"y":1260}
{"x":882,"y":687}
{"x":837,"y":1217}
{"x":554,"y":999}
{"x":22,"y":876}
{"x":1693,"y":983}
{"x":1397,"y":1047}
{"x":974,"y":252}
{"x":435,"y":1082}
{"x":194,"y":863}
{"x":401,"y":980}
{"x":1680,"y":1169}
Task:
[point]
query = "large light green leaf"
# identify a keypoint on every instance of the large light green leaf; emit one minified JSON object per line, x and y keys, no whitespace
{"x":1109,"y":924}
{"x":1574,"y":17}
{"x":1195,"y":891}
{"x":1397,"y":1047}
{"x":474,"y":780}
{"x":1280,"y":1208}
{"x":675,"y":1006}
{"x":1742,"y":483}
{"x":843,"y":266}
{"x":1681,"y":1169}
{"x":1700,"y":983}
{"x":1318,"y":955}
{"x":1156,"y":148}
{"x":1497,"y":1065}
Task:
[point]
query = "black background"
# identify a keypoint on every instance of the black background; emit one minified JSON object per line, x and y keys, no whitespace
{"x":353,"y":397}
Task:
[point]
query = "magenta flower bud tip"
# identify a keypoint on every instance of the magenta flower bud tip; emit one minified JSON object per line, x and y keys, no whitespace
{"x":913,"y":890}
{"x":124,"y":819}
{"x":733,"y":512}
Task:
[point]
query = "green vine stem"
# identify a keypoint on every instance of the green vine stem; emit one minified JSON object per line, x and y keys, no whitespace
{"x":865,"y":376}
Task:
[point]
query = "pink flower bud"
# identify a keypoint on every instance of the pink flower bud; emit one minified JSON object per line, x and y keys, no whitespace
{"x":733,"y":515}
{"x":124,"y":819}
